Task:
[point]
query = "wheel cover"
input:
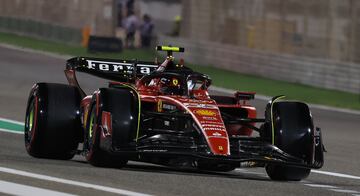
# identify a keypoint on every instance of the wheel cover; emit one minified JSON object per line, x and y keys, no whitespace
{"x":31,"y":120}
{"x":89,"y":147}
{"x":91,"y":125}
{"x":91,"y":130}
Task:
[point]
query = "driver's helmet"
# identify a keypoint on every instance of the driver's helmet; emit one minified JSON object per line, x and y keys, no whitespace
{"x":171,"y":86}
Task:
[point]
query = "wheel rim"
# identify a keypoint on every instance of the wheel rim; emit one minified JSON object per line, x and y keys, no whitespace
{"x":30,"y":122}
{"x":91,"y":128}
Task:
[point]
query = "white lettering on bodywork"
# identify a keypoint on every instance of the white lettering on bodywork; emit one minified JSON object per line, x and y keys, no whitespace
{"x":104,"y":67}
{"x":118,"y":68}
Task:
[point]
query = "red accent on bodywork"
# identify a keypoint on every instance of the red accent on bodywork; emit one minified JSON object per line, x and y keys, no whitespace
{"x":152,"y":90}
{"x":106,"y":122}
{"x":251,"y":114}
{"x":237,"y":129}
{"x":71,"y":77}
{"x":237,"y":93}
{"x":86,"y":101}
{"x":207,"y":116}
{"x":213,"y":128}
{"x":219,"y":146}
{"x":85,"y":105}
{"x":200,"y":94}
{"x":117,"y":83}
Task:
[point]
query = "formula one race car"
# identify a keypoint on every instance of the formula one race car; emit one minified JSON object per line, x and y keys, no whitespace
{"x":163,"y":114}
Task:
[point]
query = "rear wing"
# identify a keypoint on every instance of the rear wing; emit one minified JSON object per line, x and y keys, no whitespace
{"x":112,"y":69}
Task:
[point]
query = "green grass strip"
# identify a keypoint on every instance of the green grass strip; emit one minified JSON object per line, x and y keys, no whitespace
{"x":74,"y":50}
{"x":293,"y":91}
{"x":221,"y":78}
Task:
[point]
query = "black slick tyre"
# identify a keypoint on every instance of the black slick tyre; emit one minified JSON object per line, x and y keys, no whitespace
{"x":293,"y":132}
{"x":94,"y":154}
{"x":52,"y":123}
{"x":286,"y":173}
{"x":121,"y":104}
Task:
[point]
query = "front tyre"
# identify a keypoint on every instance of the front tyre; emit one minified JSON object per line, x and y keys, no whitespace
{"x":292,"y":131}
{"x":286,"y":173}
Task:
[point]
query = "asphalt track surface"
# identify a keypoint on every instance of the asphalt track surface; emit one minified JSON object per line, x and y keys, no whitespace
{"x":19,"y":70}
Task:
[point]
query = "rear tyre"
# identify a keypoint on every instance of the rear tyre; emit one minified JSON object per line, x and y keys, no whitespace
{"x":121,"y":104}
{"x":52,"y":122}
{"x":293,"y":133}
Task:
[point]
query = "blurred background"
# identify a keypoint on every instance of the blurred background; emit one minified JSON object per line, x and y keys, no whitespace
{"x":315,"y":43}
{"x":308,"y":50}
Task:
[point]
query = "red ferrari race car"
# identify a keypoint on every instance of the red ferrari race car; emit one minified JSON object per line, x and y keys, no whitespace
{"x":164,"y":114}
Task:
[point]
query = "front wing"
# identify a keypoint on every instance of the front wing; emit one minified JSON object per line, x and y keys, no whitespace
{"x":245,"y":149}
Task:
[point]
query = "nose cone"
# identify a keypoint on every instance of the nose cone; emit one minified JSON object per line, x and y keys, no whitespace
{"x":213,"y":129}
{"x":219,"y":146}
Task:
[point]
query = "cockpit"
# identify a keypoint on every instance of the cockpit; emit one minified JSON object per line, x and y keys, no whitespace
{"x":176,"y":83}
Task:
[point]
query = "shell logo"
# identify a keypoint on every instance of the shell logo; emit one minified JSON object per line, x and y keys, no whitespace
{"x":159,"y":106}
{"x":203,"y":112}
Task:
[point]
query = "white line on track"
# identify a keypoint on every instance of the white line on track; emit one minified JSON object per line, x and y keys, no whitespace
{"x":310,"y":184}
{"x":321,"y":186}
{"x":345,"y":191}
{"x":11,"y":131}
{"x":70,"y":182}
{"x":19,"y":189}
{"x":332,"y":188}
{"x":336,"y":174}
{"x":11,"y":121}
